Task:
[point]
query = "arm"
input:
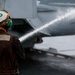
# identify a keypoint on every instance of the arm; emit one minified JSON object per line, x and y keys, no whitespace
{"x":18,"y":48}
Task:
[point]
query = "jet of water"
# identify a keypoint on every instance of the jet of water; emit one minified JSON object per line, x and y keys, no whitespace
{"x":69,"y":13}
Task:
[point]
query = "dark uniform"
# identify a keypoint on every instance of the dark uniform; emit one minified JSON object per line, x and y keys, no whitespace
{"x":10,"y":50}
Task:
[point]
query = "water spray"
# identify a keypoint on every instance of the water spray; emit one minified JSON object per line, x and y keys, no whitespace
{"x":26,"y":36}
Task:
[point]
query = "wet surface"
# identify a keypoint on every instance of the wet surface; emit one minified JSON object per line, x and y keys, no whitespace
{"x":47,"y":65}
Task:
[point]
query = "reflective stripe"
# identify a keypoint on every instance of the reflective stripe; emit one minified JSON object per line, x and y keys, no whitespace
{"x":4,"y":37}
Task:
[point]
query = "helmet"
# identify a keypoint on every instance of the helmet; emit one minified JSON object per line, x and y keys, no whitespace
{"x":4,"y":17}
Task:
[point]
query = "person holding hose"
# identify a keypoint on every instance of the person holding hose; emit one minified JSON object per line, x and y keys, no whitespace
{"x":10,"y":47}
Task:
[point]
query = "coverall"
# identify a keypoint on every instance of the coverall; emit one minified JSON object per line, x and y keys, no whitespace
{"x":10,"y":51}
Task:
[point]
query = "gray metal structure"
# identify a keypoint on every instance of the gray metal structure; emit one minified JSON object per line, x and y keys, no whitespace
{"x":19,"y":8}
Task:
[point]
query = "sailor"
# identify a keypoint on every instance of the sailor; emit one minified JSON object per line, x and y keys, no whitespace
{"x":10,"y":47}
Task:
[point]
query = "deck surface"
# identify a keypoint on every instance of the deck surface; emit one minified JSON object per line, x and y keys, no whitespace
{"x":40,"y":64}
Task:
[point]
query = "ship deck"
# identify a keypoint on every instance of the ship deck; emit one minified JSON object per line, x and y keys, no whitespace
{"x":41,"y":64}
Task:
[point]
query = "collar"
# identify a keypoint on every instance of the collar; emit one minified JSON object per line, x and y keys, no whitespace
{"x":1,"y":28}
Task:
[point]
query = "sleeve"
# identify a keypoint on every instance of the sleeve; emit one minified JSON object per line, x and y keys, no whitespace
{"x":19,"y":50}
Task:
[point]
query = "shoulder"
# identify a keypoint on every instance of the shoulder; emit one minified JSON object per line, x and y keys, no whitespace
{"x":12,"y":36}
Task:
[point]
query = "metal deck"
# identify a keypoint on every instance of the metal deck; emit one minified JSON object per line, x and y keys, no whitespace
{"x":41,"y":64}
